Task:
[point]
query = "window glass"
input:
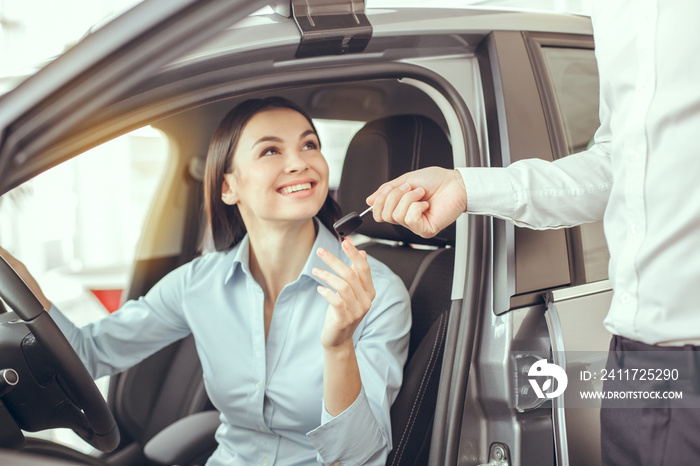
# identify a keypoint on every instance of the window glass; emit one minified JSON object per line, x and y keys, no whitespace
{"x":335,"y":137}
{"x":77,"y":225}
{"x":574,"y":75}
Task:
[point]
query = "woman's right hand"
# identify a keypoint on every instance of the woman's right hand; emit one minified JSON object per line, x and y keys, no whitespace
{"x":27,"y":277}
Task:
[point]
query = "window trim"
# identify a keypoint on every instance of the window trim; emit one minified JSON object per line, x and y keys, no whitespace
{"x":535,"y":42}
{"x":517,"y":129}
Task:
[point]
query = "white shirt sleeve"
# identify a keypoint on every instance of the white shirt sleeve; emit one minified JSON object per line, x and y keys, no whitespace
{"x":541,"y":195}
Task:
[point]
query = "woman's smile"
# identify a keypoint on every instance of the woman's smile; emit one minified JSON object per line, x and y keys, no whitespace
{"x":278,"y":170}
{"x":298,"y":189}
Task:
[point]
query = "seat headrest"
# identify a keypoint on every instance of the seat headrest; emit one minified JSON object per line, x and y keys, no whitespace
{"x":382,"y":150}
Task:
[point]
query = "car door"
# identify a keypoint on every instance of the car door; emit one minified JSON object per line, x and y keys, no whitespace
{"x":568,"y":83}
{"x":550,"y":290}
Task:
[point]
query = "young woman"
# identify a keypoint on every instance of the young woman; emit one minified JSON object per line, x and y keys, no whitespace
{"x":300,"y":355}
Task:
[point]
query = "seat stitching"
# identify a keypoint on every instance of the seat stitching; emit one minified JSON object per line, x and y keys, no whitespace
{"x":421,"y":391}
{"x":419,"y":401}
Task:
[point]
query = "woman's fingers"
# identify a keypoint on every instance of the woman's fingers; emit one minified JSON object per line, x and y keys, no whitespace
{"x":352,"y":298}
{"x":333,"y":299}
{"x":353,"y":284}
{"x":343,"y":271}
{"x":342,"y":287}
{"x":360,"y":266}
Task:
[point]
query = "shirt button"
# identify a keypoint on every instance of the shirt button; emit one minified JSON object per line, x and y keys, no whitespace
{"x":257,"y":385}
{"x":261,"y":428}
{"x":336,"y":463}
{"x":265,"y":462}
{"x":634,"y":155}
{"x":625,"y":298}
{"x":634,"y":228}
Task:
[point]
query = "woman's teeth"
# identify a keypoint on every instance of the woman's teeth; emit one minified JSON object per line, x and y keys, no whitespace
{"x":295,"y":188}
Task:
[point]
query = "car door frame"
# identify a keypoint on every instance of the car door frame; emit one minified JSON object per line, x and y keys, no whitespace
{"x":52,"y":104}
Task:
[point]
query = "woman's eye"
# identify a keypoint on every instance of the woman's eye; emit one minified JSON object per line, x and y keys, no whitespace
{"x":270,"y":151}
{"x":311,"y":145}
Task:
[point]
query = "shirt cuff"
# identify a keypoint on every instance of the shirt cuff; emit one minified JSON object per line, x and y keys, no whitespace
{"x":350,"y":438}
{"x":489,"y":191}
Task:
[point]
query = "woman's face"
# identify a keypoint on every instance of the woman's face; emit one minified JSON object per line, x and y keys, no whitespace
{"x":278,"y":171}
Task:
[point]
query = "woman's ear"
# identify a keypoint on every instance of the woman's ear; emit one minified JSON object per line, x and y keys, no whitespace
{"x":228,"y":193}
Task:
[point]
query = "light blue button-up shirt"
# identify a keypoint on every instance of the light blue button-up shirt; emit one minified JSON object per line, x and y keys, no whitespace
{"x":270,"y":394}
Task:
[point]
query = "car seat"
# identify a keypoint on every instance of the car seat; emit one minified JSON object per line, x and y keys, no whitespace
{"x":382,"y":150}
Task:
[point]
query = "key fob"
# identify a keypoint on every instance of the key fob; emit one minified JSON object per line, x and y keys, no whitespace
{"x":348,"y":224}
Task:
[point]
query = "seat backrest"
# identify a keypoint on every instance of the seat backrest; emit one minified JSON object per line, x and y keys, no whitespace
{"x":382,"y":150}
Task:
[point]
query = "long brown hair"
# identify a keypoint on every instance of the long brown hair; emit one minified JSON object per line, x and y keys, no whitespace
{"x":225,"y":221}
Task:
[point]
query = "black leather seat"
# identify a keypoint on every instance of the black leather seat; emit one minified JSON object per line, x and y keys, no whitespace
{"x":380,"y":151}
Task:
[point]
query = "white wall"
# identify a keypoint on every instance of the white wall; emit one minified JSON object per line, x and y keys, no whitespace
{"x":33,"y":30}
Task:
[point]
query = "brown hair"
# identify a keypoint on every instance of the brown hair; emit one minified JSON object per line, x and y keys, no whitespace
{"x":225,"y":222}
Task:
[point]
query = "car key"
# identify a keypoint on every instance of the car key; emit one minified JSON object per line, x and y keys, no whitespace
{"x":348,"y":224}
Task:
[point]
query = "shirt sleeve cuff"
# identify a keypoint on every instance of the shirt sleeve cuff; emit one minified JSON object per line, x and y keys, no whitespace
{"x":361,"y":435}
{"x":489,"y":191}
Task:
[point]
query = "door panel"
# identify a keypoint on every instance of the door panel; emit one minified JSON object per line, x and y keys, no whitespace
{"x":583,"y":345}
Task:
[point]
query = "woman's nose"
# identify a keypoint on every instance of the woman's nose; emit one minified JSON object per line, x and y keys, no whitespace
{"x":296,"y":162}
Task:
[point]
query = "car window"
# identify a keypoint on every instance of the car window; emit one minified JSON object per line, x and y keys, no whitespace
{"x":574,"y":76}
{"x":84,"y":217}
{"x":335,"y":137}
{"x":77,"y":225}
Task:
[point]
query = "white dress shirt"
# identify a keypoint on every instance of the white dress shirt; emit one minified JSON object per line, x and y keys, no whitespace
{"x":642,"y":176}
{"x":269,"y":393}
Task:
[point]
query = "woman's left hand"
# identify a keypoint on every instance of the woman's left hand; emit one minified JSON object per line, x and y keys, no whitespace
{"x":352,"y":298}
{"x":21,"y":270}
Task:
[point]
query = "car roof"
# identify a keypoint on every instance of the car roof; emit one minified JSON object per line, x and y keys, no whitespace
{"x":272,"y":30}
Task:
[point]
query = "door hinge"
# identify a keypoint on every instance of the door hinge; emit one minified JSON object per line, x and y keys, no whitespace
{"x":331,"y":27}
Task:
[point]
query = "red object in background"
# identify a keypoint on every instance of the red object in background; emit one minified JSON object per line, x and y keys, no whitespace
{"x":110,"y":299}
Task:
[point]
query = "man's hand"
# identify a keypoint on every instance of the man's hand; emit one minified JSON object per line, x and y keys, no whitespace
{"x":424,"y":201}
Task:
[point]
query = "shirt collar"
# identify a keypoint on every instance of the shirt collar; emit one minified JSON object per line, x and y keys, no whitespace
{"x":324,"y":239}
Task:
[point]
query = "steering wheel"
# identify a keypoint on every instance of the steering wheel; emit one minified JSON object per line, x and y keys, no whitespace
{"x":54,"y":388}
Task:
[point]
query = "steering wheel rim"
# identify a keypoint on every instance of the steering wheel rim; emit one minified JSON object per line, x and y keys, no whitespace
{"x":100,"y":427}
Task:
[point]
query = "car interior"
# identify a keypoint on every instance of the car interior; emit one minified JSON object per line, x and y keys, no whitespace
{"x":162,"y":402}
